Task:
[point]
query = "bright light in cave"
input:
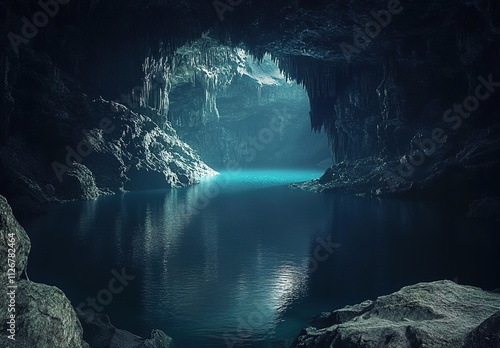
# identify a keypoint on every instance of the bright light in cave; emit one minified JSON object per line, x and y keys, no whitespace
{"x":239,"y":113}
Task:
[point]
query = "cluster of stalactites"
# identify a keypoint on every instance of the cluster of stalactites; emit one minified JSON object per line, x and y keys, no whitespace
{"x":203,"y":63}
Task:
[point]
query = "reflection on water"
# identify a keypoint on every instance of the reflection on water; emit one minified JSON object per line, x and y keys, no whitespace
{"x":229,"y":261}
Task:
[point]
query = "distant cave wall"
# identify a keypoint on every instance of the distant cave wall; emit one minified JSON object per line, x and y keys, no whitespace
{"x":220,"y":100}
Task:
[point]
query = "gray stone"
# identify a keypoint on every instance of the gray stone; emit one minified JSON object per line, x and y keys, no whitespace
{"x":44,"y":319}
{"x":427,"y":315}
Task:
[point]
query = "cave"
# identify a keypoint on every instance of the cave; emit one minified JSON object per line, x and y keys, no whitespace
{"x":249,"y":173}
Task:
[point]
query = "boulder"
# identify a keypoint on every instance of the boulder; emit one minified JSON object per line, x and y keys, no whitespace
{"x":440,"y":314}
{"x":100,"y":333}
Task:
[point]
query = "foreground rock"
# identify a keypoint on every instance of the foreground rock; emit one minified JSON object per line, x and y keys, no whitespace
{"x":486,"y":335}
{"x":43,"y":315}
{"x":441,"y":314}
{"x":100,"y":333}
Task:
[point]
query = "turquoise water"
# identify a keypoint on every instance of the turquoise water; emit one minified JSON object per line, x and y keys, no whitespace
{"x":242,"y":260}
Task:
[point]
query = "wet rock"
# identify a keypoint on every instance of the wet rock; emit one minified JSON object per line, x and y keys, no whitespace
{"x":100,"y":333}
{"x":79,"y":181}
{"x":438,"y":314}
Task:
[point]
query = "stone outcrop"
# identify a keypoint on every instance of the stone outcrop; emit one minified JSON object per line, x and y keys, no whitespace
{"x":100,"y":333}
{"x":486,"y":335}
{"x":63,"y":145}
{"x":446,"y":170}
{"x":440,"y":314}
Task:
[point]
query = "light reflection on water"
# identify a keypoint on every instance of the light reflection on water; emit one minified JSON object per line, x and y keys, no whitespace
{"x":237,"y":270}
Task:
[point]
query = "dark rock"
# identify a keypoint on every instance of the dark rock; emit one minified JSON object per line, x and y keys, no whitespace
{"x":100,"y":333}
{"x":79,"y":181}
{"x":44,"y":318}
{"x":486,"y":335}
{"x":437,"y":314}
{"x":82,"y":148}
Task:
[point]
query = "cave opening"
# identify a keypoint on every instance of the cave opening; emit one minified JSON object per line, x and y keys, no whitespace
{"x":235,"y":110}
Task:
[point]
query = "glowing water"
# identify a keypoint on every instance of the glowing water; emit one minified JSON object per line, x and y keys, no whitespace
{"x":232,"y":260}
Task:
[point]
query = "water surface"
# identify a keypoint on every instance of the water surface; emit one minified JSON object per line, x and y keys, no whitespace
{"x":242,"y":260}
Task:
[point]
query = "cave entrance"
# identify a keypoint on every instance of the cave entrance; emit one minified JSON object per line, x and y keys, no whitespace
{"x":237,"y":111}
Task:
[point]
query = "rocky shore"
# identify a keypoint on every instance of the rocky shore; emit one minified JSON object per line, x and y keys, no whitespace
{"x":439,"y":314}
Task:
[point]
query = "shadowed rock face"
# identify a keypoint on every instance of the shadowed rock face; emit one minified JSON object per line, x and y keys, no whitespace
{"x":485,"y":335}
{"x":438,"y":315}
{"x":100,"y":333}
{"x":64,"y":146}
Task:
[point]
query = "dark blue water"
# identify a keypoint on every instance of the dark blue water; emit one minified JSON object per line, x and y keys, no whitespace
{"x":242,"y":260}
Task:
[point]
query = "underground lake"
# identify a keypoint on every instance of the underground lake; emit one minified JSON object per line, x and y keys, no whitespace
{"x":244,"y":260}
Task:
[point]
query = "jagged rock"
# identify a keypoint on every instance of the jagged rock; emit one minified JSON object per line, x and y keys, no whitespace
{"x":100,"y":333}
{"x":44,"y":317}
{"x":445,"y":170}
{"x":434,"y":315}
{"x":79,"y":182}
{"x":66,"y":146}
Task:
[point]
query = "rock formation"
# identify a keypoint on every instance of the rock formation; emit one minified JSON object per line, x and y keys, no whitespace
{"x":440,"y":314}
{"x":63,"y":145}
